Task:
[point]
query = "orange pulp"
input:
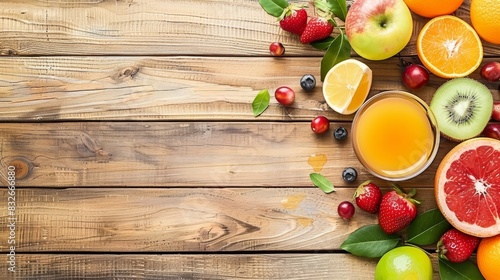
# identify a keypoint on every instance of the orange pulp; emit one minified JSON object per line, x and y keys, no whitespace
{"x":394,"y":137}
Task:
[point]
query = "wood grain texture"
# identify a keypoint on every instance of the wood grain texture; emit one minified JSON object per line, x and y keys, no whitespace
{"x":184,"y":220}
{"x":38,"y":89}
{"x":181,"y":154}
{"x":194,"y":267}
{"x":139,"y":27}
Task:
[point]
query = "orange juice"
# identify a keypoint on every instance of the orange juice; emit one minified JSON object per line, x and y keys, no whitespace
{"x":393,"y":136}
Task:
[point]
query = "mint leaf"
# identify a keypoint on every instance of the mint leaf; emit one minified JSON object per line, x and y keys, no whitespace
{"x":370,"y":241}
{"x":261,"y":102}
{"x":321,"y":182}
{"x":338,"y":8}
{"x":459,"y":271}
{"x":274,"y":7}
{"x":339,"y":50}
{"x":322,"y":44}
{"x":427,"y":228}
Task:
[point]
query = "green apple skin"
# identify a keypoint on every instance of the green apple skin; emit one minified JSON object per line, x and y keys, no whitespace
{"x":378,"y":29}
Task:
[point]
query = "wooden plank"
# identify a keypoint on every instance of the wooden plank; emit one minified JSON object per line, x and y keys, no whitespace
{"x":183,"y":220}
{"x":178,"y":88}
{"x":182,"y":154}
{"x":208,"y":27}
{"x":183,"y":267}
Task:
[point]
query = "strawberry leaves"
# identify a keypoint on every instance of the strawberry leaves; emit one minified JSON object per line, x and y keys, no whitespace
{"x":274,"y":8}
{"x":427,"y":228}
{"x":338,"y":50}
{"x":370,"y":241}
{"x":466,"y":270}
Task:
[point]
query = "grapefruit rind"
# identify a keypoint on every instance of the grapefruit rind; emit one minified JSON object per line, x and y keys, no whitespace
{"x":467,"y":186}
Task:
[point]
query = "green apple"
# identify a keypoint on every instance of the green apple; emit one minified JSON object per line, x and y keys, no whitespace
{"x":378,"y":29}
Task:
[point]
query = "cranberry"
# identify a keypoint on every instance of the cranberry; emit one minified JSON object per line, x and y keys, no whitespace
{"x":415,"y":76}
{"x":491,"y":71}
{"x":346,"y":210}
{"x":277,"y":49}
{"x":320,"y":124}
{"x":284,"y":95}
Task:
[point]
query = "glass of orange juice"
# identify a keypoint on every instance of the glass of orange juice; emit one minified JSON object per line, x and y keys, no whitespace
{"x":395,"y":135}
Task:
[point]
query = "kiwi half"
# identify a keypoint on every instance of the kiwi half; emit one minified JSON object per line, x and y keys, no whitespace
{"x":462,"y":107}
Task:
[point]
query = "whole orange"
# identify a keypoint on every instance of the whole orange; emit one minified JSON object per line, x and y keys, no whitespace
{"x":488,"y":257}
{"x":430,"y":9}
{"x":485,"y":18}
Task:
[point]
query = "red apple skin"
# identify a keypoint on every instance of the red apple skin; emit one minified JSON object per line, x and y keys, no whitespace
{"x":496,"y":111}
{"x":378,"y":29}
{"x":492,"y":130}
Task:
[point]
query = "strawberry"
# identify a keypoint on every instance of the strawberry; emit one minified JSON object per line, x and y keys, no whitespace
{"x":456,"y":246}
{"x":368,"y":196}
{"x":397,"y":210}
{"x":316,"y":29}
{"x":293,"y":20}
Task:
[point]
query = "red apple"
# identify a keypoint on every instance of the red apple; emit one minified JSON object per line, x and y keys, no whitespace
{"x":378,"y":29}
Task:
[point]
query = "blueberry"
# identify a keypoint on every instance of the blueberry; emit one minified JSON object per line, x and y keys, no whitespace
{"x":308,"y":82}
{"x":349,"y":174}
{"x":340,"y":133}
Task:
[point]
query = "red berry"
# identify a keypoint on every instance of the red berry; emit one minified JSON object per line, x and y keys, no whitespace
{"x":368,"y":197}
{"x":284,"y":95}
{"x":346,"y":210}
{"x":492,"y":130}
{"x":277,"y":49}
{"x":456,"y":246}
{"x":320,"y":124}
{"x":491,"y":71}
{"x":397,"y":210}
{"x":496,"y":111}
{"x":316,"y":29}
{"x":415,"y":76}
{"x":294,"y":20}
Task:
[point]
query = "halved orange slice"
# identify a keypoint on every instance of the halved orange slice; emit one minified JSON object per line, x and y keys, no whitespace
{"x":449,"y":47}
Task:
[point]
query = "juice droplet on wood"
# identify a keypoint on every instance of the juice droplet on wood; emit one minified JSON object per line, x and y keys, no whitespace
{"x":317,"y":161}
{"x":293,"y":201}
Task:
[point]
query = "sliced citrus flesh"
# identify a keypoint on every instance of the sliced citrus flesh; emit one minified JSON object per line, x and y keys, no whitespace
{"x":449,"y":47}
{"x":467,"y":187}
{"x":346,"y":86}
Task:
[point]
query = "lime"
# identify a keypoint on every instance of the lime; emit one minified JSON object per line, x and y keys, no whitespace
{"x":404,"y":263}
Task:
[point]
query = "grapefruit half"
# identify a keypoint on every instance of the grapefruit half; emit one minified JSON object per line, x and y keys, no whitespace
{"x":467,"y":187}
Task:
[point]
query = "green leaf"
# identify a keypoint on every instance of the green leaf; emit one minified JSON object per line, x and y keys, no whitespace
{"x":338,"y":8}
{"x":427,"y":228}
{"x":339,"y":50}
{"x":261,"y":102}
{"x":274,"y":7}
{"x":321,"y":182}
{"x":370,"y":241}
{"x":323,"y":44}
{"x":459,"y":271}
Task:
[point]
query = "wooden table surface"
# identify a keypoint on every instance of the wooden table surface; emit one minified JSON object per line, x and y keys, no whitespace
{"x":147,"y":161}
